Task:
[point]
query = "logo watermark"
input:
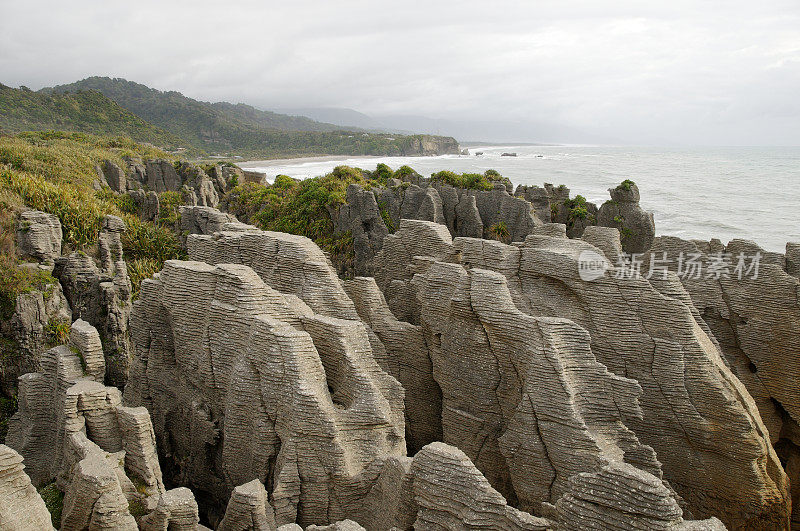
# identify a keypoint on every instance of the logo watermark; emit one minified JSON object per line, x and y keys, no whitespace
{"x":592,"y":265}
{"x":687,"y":266}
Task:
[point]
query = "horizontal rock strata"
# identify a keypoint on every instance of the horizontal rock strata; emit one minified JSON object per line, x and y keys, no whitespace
{"x":642,"y":333}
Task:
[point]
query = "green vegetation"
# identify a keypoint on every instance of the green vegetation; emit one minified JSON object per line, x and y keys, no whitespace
{"x":403,"y":171}
{"x":383,"y":172}
{"x":56,"y":332}
{"x":54,"y":501}
{"x":499,"y":231}
{"x":140,"y":269}
{"x":624,"y":231}
{"x":297,"y":207}
{"x":553,"y":212}
{"x":577,"y":208}
{"x":473,"y":181}
{"x":54,"y":172}
{"x":625,"y":185}
{"x":386,"y":217}
{"x":304,"y":207}
{"x":224,"y":128}
{"x":86,"y":111}
{"x":14,"y":281}
{"x":8,"y":406}
{"x":169,"y":203}
{"x":137,"y":509}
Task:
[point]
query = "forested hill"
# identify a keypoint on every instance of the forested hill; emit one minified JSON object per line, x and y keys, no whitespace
{"x":24,"y":110}
{"x":227,"y":129}
{"x":183,"y":115}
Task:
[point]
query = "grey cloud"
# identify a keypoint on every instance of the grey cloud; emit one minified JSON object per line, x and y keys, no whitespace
{"x":683,"y":71}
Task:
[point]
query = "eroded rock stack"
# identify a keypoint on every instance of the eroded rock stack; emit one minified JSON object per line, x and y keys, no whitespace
{"x":21,"y":508}
{"x":637,"y":331}
{"x":102,"y":295}
{"x":471,"y":384}
{"x":38,"y":235}
{"x":370,"y":215}
{"x":747,"y":297}
{"x":144,"y":180}
{"x":72,"y":430}
{"x":623,"y":212}
{"x":284,"y":395}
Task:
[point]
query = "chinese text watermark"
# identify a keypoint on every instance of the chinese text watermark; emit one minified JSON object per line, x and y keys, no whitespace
{"x":687,"y":266}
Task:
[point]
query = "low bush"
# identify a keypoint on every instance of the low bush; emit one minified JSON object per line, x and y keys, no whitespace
{"x":54,"y":501}
{"x":472,"y":181}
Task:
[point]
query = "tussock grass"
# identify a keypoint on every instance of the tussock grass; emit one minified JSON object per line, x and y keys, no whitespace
{"x":54,"y":172}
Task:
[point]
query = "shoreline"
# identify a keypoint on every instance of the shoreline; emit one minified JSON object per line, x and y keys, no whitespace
{"x":302,"y":160}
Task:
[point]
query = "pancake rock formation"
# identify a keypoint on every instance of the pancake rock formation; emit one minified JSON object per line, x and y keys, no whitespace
{"x":21,"y":508}
{"x":693,"y":409}
{"x":102,"y":295}
{"x":245,"y":383}
{"x":72,"y":430}
{"x":38,"y":235}
{"x":748,"y":298}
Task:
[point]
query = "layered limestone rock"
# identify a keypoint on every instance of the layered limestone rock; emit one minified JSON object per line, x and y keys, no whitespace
{"x":176,"y":509}
{"x":622,"y":497}
{"x":402,"y":257}
{"x":370,"y":215}
{"x":21,"y":507}
{"x":748,"y":299}
{"x":94,"y":498}
{"x":693,"y":409}
{"x":243,"y":382}
{"x":84,"y":338}
{"x":29,"y":331}
{"x":290,"y":264}
{"x":65,"y":399}
{"x":607,"y":239}
{"x":407,"y":359}
{"x":451,"y":493}
{"x":513,"y":407}
{"x":72,"y":429}
{"x":148,"y":205}
{"x":158,"y":175}
{"x":102,"y":295}
{"x":249,"y":509}
{"x":136,"y":172}
{"x":361,"y":216}
{"x":161,"y":176}
{"x":38,"y":235}
{"x":113,"y":176}
{"x":203,"y":219}
{"x":197,"y":187}
{"x":623,"y":212}
{"x":547,"y":202}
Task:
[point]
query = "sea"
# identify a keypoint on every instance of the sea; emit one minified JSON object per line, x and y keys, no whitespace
{"x":721,"y":192}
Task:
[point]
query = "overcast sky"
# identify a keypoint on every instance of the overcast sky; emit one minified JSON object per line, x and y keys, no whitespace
{"x":684,"y":71}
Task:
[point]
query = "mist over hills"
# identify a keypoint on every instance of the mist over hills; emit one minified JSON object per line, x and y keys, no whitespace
{"x":464,"y":130}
